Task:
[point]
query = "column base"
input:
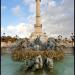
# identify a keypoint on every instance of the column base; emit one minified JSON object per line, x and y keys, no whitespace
{"x":43,"y":36}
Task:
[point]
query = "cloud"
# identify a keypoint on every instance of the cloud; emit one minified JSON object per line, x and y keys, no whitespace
{"x":31,"y":19}
{"x":31,"y":5}
{"x":52,"y":3}
{"x":56,"y":18}
{"x":2,"y":30}
{"x":11,"y":28}
{"x":59,"y":19}
{"x":16,"y":10}
{"x":32,"y":8}
{"x":19,"y":12}
{"x":21,"y":27}
{"x":22,"y":30}
{"x":54,"y":35}
{"x":28,"y":2}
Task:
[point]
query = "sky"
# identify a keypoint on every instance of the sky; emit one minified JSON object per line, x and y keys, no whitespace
{"x":18,"y":17}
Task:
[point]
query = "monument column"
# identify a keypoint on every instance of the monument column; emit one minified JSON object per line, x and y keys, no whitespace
{"x":38,"y":25}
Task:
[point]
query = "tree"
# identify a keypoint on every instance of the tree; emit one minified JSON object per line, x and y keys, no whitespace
{"x":3,"y":34}
{"x":72,"y":38}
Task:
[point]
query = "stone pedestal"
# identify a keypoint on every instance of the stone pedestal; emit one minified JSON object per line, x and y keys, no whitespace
{"x":43,"y":36}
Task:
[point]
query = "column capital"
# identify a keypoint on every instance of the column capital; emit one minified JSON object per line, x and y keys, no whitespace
{"x":39,"y":0}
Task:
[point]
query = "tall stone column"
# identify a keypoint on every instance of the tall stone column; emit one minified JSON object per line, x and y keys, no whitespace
{"x":38,"y":25}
